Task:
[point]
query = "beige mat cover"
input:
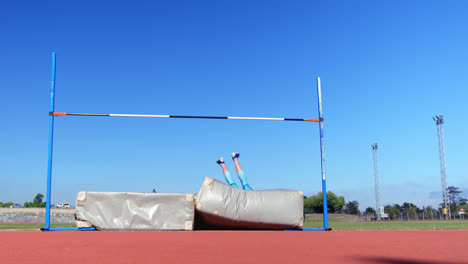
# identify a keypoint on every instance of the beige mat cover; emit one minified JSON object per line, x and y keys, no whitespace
{"x":220,"y":205}
{"x":135,"y":211}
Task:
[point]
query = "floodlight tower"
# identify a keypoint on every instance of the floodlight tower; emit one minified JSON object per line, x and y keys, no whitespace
{"x":439,"y":121}
{"x":376,"y":175}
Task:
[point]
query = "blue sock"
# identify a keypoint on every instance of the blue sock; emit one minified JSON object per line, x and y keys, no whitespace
{"x":243,"y":180}
{"x":229,"y":179}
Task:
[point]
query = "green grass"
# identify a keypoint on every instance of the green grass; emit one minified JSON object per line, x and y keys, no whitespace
{"x":30,"y":226}
{"x":347,"y":224}
{"x":337,"y":223}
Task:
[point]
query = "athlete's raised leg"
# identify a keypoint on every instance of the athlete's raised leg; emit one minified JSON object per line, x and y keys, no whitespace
{"x":240,"y":172}
{"x":226,"y":173}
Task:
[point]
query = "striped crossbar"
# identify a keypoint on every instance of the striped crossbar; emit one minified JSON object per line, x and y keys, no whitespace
{"x":184,"y":116}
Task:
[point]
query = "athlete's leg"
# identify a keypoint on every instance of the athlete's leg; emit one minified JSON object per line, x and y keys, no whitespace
{"x":240,"y":172}
{"x":226,"y":172}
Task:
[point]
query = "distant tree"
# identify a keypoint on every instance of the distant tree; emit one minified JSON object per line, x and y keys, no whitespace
{"x":391,"y":211}
{"x":410,"y":210}
{"x":413,"y":211}
{"x":454,"y":194}
{"x":2,"y":204}
{"x":37,"y":202}
{"x":38,"y":198}
{"x":405,"y":206}
{"x":370,"y":211}
{"x":334,"y":202}
{"x":396,"y":211}
{"x":420,"y":210}
{"x":464,"y":206}
{"x":154,"y":190}
{"x":429,"y":212}
{"x":352,"y":208}
{"x":314,"y":204}
{"x":310,"y":204}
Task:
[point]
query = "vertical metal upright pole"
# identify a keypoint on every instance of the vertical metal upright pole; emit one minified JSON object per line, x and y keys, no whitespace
{"x":322,"y":153}
{"x":51,"y":143}
{"x":442,"y":151}
{"x":377,"y":187}
{"x":439,"y":122}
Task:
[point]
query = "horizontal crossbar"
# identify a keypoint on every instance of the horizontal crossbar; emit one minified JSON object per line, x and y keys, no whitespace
{"x":180,"y":116}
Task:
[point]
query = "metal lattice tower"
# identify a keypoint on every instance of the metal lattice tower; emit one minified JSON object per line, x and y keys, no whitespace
{"x":439,"y":121}
{"x":377,"y":188}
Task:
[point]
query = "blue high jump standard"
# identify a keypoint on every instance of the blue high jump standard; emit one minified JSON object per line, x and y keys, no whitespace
{"x":53,"y":114}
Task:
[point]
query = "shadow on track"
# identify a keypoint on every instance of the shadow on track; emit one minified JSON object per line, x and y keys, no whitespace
{"x":396,"y":260}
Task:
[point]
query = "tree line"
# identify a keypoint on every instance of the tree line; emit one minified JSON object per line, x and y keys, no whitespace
{"x":36,"y":202}
{"x":6,"y":204}
{"x":337,"y":204}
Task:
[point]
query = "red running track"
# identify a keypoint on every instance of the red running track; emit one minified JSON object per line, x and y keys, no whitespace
{"x":387,"y":247}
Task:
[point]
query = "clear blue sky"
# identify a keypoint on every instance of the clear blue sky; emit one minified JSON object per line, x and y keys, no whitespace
{"x":387,"y":67}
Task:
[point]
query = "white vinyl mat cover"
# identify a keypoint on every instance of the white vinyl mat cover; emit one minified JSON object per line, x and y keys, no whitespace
{"x":135,"y":211}
{"x":221,"y":205}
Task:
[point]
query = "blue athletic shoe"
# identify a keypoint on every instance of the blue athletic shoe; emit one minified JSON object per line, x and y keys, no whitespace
{"x":220,"y":161}
{"x":235,"y":155}
{"x":247,"y":187}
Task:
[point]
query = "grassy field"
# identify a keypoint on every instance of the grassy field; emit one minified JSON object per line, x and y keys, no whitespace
{"x":355,"y":224}
{"x":30,"y":226}
{"x":336,"y":222}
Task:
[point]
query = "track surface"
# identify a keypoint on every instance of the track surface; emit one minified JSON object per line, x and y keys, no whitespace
{"x":388,"y":247}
